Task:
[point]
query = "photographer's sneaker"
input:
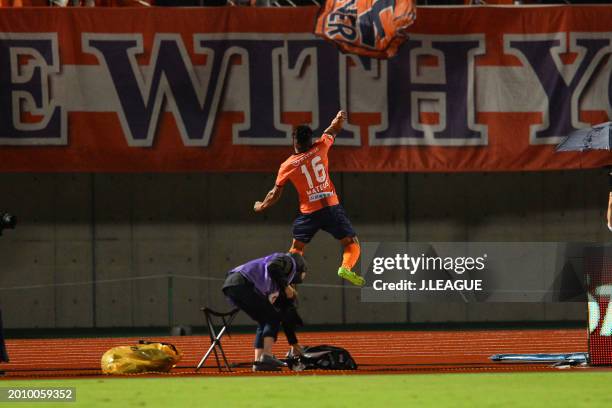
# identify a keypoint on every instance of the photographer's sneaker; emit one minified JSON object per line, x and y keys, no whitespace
{"x":271,"y":360}
{"x":346,"y":273}
{"x":259,"y":366}
{"x":268,"y":363}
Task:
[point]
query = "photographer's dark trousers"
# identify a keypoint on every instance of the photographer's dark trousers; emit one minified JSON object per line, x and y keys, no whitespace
{"x":288,"y":328}
{"x":258,"y":308}
{"x":3,"y":354}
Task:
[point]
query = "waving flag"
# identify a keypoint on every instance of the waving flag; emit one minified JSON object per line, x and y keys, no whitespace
{"x":372,"y":28}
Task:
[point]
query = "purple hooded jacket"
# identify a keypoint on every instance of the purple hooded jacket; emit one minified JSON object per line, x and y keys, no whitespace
{"x":256,"y":272}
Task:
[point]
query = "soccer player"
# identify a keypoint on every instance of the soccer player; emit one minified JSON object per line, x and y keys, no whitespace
{"x":320,"y":207}
{"x":263,"y":288}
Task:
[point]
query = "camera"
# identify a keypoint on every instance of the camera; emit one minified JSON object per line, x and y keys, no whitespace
{"x":7,"y":221}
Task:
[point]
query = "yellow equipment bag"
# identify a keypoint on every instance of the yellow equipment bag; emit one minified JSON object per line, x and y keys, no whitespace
{"x":142,"y":358}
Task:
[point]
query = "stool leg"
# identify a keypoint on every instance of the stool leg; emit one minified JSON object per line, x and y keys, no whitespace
{"x":213,"y":344}
{"x":213,"y":348}
{"x":203,"y":360}
{"x":221,"y":333}
{"x":214,"y":339}
{"x":219,"y":366}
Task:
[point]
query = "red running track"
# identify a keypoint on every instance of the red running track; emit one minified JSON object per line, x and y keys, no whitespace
{"x":375,"y":352}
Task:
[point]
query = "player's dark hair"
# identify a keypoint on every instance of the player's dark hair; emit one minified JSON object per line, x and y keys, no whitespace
{"x":303,"y":137}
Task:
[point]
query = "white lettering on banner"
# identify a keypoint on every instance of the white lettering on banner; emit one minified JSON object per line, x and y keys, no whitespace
{"x":435,"y":102}
{"x":541,"y":53}
{"x":362,"y":87}
{"x":28,"y":63}
{"x":156,"y":89}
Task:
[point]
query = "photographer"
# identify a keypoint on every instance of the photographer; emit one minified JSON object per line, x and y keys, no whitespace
{"x":264,"y":289}
{"x":7,"y":221}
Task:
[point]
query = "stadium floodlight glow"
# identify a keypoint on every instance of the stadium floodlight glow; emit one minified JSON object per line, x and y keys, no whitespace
{"x":7,"y":221}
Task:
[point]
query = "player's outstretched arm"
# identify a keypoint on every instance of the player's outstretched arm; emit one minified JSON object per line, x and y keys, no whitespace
{"x":271,"y":198}
{"x":336,"y":126}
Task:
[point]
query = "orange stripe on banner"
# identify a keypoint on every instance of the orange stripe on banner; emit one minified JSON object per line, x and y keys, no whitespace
{"x":429,"y":118}
{"x":568,"y":58}
{"x":427,"y":61}
{"x":594,"y":116}
{"x":296,"y":118}
{"x":88,"y":152}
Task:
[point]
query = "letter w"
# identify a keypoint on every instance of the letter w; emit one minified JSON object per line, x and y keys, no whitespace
{"x":170,"y":78}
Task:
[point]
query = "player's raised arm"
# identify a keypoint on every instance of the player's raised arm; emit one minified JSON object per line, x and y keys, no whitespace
{"x":336,"y":126}
{"x":271,"y":198}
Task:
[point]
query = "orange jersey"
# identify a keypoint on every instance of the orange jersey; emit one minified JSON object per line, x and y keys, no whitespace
{"x":309,"y":173}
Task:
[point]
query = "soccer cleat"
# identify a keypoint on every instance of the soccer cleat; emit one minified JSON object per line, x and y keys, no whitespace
{"x":346,"y":273}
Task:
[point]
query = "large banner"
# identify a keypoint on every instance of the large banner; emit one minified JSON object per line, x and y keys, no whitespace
{"x":472,"y":89}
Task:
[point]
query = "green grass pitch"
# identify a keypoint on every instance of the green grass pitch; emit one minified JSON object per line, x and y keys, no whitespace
{"x":563,"y":389}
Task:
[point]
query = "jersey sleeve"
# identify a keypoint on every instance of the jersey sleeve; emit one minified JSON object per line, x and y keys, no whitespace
{"x":328,"y":140}
{"x":283,"y":175}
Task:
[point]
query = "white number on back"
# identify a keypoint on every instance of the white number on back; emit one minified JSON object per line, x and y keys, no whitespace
{"x":318,"y":169}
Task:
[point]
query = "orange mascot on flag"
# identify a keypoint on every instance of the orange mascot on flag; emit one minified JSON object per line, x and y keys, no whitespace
{"x":371,"y":28}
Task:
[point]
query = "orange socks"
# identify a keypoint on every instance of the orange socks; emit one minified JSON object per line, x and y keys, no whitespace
{"x":350,"y":255}
{"x":297,"y":247}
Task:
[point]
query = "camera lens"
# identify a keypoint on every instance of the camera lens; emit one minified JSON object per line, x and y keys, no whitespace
{"x":7,"y":221}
